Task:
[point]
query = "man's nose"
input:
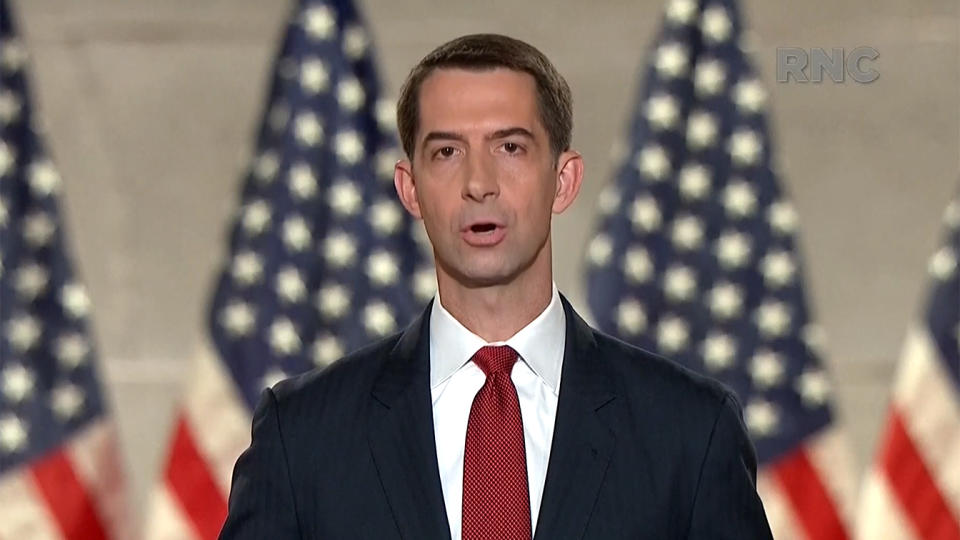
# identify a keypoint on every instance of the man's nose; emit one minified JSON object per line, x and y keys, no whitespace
{"x":481,"y":179}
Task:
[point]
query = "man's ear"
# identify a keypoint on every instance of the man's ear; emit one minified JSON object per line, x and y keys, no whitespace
{"x":569,"y":178}
{"x":406,"y":187}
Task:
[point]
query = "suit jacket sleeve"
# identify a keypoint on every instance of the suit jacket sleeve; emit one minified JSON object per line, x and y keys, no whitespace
{"x":261,"y":495}
{"x":726,"y":504}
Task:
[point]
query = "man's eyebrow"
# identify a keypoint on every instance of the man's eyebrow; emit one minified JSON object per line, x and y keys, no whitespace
{"x":443,"y":136}
{"x":508,"y":132}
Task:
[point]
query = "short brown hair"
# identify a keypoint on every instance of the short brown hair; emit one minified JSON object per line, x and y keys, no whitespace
{"x":490,"y":51}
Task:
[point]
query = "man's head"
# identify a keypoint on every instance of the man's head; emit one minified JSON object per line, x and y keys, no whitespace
{"x":485,"y":122}
{"x":486,"y":52}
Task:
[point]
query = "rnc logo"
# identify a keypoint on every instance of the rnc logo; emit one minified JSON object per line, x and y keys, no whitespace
{"x":794,"y":61}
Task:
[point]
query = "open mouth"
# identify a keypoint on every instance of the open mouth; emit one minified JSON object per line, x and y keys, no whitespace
{"x":484,"y":234}
{"x":482,"y":228}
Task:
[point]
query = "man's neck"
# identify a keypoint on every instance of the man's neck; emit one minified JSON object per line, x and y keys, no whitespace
{"x":498,"y":312}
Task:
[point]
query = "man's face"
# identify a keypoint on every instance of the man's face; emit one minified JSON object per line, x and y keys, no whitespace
{"x":483,"y":177}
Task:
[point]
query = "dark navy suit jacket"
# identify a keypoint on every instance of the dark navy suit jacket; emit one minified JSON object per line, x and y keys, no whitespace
{"x":642,"y":448}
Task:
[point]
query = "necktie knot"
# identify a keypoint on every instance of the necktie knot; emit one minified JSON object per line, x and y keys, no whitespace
{"x":495,"y":359}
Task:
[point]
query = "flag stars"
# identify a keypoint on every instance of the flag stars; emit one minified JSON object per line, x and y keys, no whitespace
{"x":645,"y":214}
{"x":739,"y":199}
{"x":778,"y":268}
{"x":385,"y":217}
{"x":350,"y":94}
{"x":38,"y":229}
{"x":745,"y":147}
{"x":256,"y":217}
{"x":680,"y":283}
{"x":662,"y":111}
{"x":44,"y":178}
{"x":600,"y":250}
{"x":66,"y":401}
{"x":782,"y":218}
{"x":314,"y":76}
{"x":672,"y":60}
{"x":302,"y":182}
{"x":333,"y":301}
{"x":631,"y":317}
{"x":701,"y":130}
{"x":23,"y":331}
{"x":296,"y":234}
{"x":943,"y":264}
{"x":687,"y":233}
{"x":13,"y":434}
{"x":290,"y":286}
{"x":339,"y":250}
{"x":247,"y":268}
{"x":7,"y":159}
{"x":266,"y":166}
{"x":681,"y":11}
{"x":238,"y":319}
{"x":766,"y":369}
{"x":386,"y":159}
{"x":654,"y":162}
{"x":814,"y":388}
{"x":718,"y":351}
{"x":326,"y":350}
{"x":726,"y":300}
{"x":709,"y":77}
{"x":749,"y":96}
{"x":609,"y":200}
{"x":716,"y":24}
{"x":378,"y":319}
{"x":951,"y":216}
{"x":349,"y":147}
{"x":345,"y":198}
{"x":773,"y":318}
{"x":424,"y":283}
{"x":4,"y":213}
{"x":672,"y":334}
{"x":319,"y":22}
{"x":355,"y":42}
{"x":272,"y":377}
{"x":10,"y":106}
{"x":637,"y":266}
{"x":284,"y":339}
{"x":71,"y":350}
{"x":13,"y":55}
{"x":386,"y":113}
{"x":307,"y":129}
{"x":694,"y":182}
{"x":18,"y":383}
{"x":762,"y":418}
{"x":382,"y":268}
{"x":733,"y":249}
{"x":31,"y":281}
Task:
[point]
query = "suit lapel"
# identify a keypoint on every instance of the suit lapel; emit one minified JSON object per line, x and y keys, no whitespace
{"x":582,"y":442}
{"x":401,"y":436}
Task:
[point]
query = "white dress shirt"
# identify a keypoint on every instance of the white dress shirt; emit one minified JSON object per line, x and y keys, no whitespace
{"x":455,"y":381}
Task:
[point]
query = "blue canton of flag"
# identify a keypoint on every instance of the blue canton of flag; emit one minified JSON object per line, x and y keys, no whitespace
{"x":696,"y":255}
{"x":59,"y":476}
{"x":323,"y":259}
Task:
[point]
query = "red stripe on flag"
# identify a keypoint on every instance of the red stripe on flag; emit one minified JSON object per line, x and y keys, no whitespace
{"x":812,"y":504}
{"x":191,"y":482}
{"x":914,"y":486}
{"x":67,"y":498}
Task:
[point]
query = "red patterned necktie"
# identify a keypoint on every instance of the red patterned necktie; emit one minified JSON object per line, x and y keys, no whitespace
{"x":496,"y":499}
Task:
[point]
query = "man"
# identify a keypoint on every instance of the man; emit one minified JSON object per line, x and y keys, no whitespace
{"x":498,"y":414}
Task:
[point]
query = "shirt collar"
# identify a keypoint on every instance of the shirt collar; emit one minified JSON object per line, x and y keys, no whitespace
{"x":540,"y":343}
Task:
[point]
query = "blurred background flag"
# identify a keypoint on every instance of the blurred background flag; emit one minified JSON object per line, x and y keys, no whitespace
{"x":60,"y":472}
{"x":322,"y":258}
{"x":696,"y":258}
{"x":912,"y":491}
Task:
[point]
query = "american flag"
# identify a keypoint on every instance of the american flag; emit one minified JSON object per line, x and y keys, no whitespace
{"x":912,"y":491}
{"x":322,"y":258}
{"x":696,"y":258}
{"x":60,"y":476}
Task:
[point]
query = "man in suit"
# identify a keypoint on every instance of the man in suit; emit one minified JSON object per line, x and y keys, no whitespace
{"x":499,"y":413}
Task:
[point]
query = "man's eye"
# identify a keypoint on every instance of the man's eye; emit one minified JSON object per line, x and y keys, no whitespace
{"x":447,"y":151}
{"x":511,"y":148}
